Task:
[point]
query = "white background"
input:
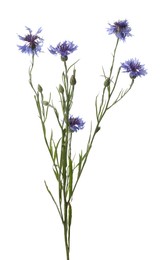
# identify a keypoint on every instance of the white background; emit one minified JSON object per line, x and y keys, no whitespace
{"x":118,"y":205}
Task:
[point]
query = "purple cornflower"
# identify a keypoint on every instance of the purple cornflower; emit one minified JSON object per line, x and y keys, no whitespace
{"x":134,"y":68}
{"x":121,"y":29}
{"x":75,"y":123}
{"x":33,"y":43}
{"x":64,"y":49}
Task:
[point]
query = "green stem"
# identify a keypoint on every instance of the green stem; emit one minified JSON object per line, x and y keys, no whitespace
{"x":104,"y":107}
{"x":66,"y":160}
{"x":66,"y":240}
{"x":113,"y":60}
{"x":64,"y":208}
{"x":30,"y":74}
{"x":54,"y":201}
{"x":121,"y":95}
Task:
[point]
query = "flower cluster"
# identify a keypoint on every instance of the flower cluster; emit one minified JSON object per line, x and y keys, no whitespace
{"x":120,"y":28}
{"x":68,"y":168}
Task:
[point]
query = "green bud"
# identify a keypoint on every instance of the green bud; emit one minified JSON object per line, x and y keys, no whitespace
{"x":61,"y":89}
{"x":73,"y":80}
{"x":45,"y":103}
{"x":64,"y":58}
{"x":107,"y":82}
{"x":40,"y":89}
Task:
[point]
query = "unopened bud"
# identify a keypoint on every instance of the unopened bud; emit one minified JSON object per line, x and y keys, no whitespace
{"x":40,"y":89}
{"x":73,"y":80}
{"x":61,"y":89}
{"x":107,"y":82}
{"x":45,"y":103}
{"x":64,"y":58}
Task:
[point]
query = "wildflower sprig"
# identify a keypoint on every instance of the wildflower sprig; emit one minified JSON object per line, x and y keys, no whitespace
{"x":66,"y":168}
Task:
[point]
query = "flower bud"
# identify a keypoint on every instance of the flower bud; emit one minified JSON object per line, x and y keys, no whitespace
{"x":40,"y":89}
{"x":107,"y":82}
{"x":64,"y":58}
{"x":73,"y":80}
{"x":61,"y":89}
{"x":45,"y":103}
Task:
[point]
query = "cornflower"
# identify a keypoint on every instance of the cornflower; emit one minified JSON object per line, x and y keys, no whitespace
{"x":33,"y":43}
{"x":64,"y":49}
{"x":134,"y":68}
{"x":121,"y":29}
{"x":75,"y":124}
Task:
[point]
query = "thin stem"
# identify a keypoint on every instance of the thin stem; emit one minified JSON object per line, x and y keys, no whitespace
{"x":113,"y":60}
{"x":43,"y":124}
{"x":66,"y":242}
{"x":66,"y":80}
{"x":121,"y":95}
{"x":30,"y":74}
{"x":97,"y":128}
{"x":64,"y":208}
{"x":54,"y":201}
{"x":115,"y":83}
{"x":101,"y":104}
{"x":65,"y":163}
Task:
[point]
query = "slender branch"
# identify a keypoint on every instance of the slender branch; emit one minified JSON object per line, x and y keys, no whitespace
{"x":120,"y":96}
{"x":113,"y":60}
{"x":30,"y":74}
{"x":115,"y":83}
{"x":54,"y":201}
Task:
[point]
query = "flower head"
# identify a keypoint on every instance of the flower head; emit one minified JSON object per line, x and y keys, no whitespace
{"x":121,"y":29}
{"x":134,"y":68}
{"x":33,"y":43}
{"x":64,"y":49}
{"x":75,"y":123}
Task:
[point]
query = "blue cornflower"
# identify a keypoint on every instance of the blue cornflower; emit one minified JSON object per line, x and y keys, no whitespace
{"x":75,"y":123}
{"x":134,"y":68}
{"x":33,"y":43}
{"x":120,"y":29}
{"x":64,"y":49}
